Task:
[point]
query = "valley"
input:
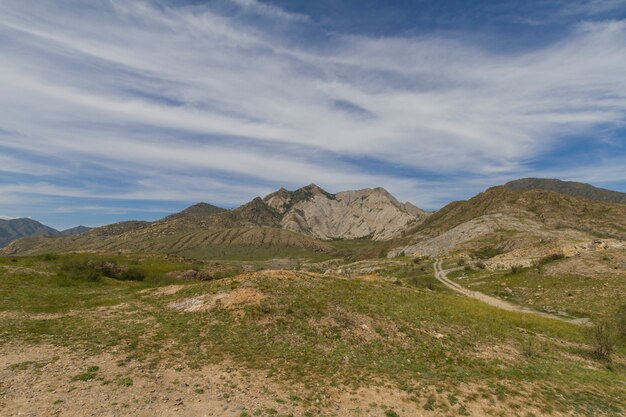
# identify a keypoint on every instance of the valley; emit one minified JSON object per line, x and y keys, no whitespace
{"x":306,"y":303}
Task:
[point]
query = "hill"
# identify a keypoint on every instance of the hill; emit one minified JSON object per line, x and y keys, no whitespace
{"x":75,"y":230}
{"x":279,"y":343}
{"x":575,"y":189}
{"x":250,"y":230}
{"x":197,"y":210}
{"x":508,"y":219}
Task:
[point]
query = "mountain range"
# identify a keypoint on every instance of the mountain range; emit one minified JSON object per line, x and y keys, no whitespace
{"x":526,"y":217}
{"x":303,"y":219}
{"x":14,"y":229}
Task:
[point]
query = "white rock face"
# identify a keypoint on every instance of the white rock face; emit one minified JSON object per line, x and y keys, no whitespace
{"x":368,"y":213}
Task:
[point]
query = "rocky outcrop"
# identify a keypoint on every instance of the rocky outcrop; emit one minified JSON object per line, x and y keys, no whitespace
{"x":368,"y":213}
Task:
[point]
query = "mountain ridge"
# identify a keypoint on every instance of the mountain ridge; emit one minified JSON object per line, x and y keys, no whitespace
{"x":303,"y":218}
{"x":527,"y":218}
{"x":13,"y":229}
{"x":572,"y":188}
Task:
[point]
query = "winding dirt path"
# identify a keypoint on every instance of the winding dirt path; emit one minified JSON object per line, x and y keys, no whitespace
{"x":442,"y":275}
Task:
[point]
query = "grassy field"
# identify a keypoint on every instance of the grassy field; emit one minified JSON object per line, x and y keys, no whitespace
{"x":573,"y":291}
{"x":446,"y":352}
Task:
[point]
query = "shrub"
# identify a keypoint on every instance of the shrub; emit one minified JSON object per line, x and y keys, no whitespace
{"x":461,"y":262}
{"x":49,"y":257}
{"x":80,"y":270}
{"x":480,"y":264}
{"x":551,"y":258}
{"x":486,"y":252}
{"x":515,"y":269}
{"x":603,"y":336}
{"x":109,"y":268}
{"x":132,"y":274}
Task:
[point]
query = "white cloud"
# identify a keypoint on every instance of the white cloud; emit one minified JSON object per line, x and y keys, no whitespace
{"x":187,"y":103}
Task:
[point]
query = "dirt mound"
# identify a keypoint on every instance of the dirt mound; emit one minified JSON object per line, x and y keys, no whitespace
{"x":230,"y":300}
{"x":280,"y":274}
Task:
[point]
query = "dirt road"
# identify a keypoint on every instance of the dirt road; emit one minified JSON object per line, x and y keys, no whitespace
{"x":442,"y":275}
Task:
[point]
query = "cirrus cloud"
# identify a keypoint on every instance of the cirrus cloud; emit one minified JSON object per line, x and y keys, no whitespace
{"x":145,"y":101}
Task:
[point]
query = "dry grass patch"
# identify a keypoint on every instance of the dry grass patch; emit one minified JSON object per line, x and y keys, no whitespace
{"x":237,"y":298}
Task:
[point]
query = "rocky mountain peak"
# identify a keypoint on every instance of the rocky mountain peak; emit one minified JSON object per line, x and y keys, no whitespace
{"x":313,"y":189}
{"x":368,"y":213}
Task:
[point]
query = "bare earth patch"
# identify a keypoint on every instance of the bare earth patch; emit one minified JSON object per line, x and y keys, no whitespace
{"x":168,"y":290}
{"x":229,"y":300}
{"x":50,"y":381}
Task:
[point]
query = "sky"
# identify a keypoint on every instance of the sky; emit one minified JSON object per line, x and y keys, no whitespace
{"x":113,"y":110}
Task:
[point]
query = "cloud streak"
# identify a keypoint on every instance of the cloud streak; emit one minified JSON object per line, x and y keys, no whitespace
{"x":170,"y":97}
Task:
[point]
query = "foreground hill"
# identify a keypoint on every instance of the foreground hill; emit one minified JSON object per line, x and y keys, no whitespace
{"x":14,"y":229}
{"x":279,"y":343}
{"x":299,"y":221}
{"x":575,"y":189}
{"x":504,"y":220}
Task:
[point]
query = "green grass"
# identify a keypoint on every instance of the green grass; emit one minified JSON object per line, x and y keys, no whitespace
{"x":321,"y":332}
{"x":576,"y":295}
{"x":417,"y":274}
{"x":88,"y":375}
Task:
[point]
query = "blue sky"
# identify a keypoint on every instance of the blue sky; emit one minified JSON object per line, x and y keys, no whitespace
{"x":114,"y":110}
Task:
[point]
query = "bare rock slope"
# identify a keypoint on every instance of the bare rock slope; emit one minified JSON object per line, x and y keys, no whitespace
{"x":368,"y":213}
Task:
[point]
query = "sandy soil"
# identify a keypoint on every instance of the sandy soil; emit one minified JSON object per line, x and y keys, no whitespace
{"x":38,"y":381}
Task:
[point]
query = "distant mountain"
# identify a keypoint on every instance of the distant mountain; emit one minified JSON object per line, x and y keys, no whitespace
{"x":368,"y":213}
{"x":576,"y":189}
{"x":75,"y":230}
{"x":300,"y":219}
{"x":13,"y":229}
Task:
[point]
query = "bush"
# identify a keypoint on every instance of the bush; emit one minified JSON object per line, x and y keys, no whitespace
{"x":109,"y":268}
{"x":551,"y":258}
{"x":132,"y":274}
{"x":486,"y":252}
{"x":92,"y":270}
{"x":603,"y":336}
{"x":515,"y":269}
{"x":49,"y":257}
{"x":80,"y":270}
{"x":480,"y":264}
